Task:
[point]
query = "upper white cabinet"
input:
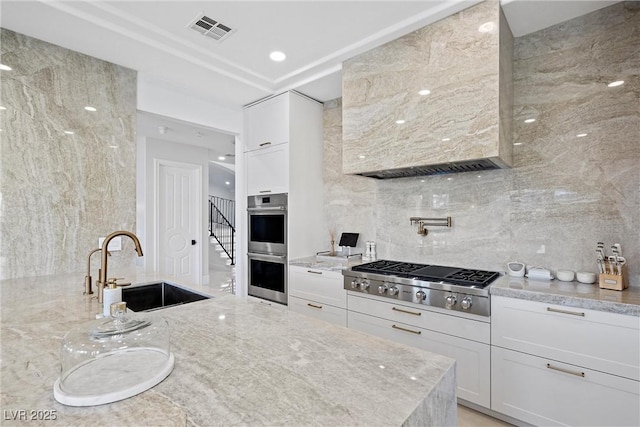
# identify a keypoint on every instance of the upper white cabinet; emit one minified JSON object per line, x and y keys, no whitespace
{"x":283,"y":154}
{"x":268,"y":170}
{"x":267,"y":123}
{"x":558,"y":365}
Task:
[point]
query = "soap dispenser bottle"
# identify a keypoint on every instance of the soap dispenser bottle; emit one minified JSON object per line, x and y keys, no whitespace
{"x":112,"y":294}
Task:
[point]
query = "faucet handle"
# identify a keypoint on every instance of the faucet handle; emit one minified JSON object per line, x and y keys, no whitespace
{"x":114,"y":281}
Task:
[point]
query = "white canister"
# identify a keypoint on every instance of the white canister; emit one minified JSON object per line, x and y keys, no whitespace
{"x":110,"y":296}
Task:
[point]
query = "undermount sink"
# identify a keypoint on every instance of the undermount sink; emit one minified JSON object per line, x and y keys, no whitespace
{"x":155,"y":296}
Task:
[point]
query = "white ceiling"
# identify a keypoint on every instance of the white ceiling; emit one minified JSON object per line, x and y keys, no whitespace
{"x":153,"y":38}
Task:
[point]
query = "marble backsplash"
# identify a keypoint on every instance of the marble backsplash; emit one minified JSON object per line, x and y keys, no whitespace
{"x":564,"y":193}
{"x":61,"y":191}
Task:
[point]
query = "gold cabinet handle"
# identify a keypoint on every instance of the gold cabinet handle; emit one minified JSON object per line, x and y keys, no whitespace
{"x":314,"y":272}
{"x":573,"y":313}
{"x":313,"y":305}
{"x":566,"y":371}
{"x":265,"y":143}
{"x":406,"y":330}
{"x":406,"y":311}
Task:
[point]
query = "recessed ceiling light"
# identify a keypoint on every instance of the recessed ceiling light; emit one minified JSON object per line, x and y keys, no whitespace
{"x":400,"y":121}
{"x":530,"y":120}
{"x":581,"y":135}
{"x":424,"y":92}
{"x":227,"y":182}
{"x":89,"y":108}
{"x":277,"y":56}
{"x":616,"y":83}
{"x":68,"y":132}
{"x":5,"y":67}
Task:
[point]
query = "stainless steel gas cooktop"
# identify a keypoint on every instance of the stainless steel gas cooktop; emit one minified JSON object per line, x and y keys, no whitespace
{"x":453,"y":288}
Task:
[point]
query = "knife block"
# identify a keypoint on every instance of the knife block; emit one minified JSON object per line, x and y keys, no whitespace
{"x":614,"y":281}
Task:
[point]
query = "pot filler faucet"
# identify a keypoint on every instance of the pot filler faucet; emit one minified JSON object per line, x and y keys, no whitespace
{"x":103,"y":269}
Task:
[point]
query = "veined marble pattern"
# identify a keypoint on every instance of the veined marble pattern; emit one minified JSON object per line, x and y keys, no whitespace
{"x":239,"y":361}
{"x":61,"y":192}
{"x":564,"y":193}
{"x":458,"y":121}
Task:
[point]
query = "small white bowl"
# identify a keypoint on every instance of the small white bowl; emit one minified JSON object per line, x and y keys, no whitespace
{"x":584,"y":277}
{"x":565,"y":275}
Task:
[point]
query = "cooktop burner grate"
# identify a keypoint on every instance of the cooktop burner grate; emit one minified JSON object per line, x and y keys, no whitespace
{"x":454,"y":275}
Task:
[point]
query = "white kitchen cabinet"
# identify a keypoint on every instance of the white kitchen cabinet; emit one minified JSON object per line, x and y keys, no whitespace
{"x":318,"y":293}
{"x":268,"y":171}
{"x":284,"y":154}
{"x":267,"y":123}
{"x":546,"y":392}
{"x":417,"y":327}
{"x":559,"y":365}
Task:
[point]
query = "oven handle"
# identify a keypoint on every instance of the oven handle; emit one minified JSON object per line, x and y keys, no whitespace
{"x":267,"y":257}
{"x":269,"y":208}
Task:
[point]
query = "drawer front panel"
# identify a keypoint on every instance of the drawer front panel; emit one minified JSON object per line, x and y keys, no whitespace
{"x":544,"y":392}
{"x":317,"y":285}
{"x":318,"y":310}
{"x":597,"y":340}
{"x":472,"y":358}
{"x":443,"y":323}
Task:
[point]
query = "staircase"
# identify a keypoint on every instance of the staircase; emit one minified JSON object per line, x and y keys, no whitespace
{"x":222,"y":227}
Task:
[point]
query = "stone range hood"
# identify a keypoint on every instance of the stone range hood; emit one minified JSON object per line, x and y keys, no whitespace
{"x":392,"y":130}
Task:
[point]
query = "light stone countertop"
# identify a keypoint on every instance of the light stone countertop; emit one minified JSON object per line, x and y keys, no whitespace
{"x":570,"y":294}
{"x":239,"y":361}
{"x":325,"y":264}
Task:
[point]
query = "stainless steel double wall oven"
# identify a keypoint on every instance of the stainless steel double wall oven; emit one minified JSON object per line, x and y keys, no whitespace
{"x":268,"y":247}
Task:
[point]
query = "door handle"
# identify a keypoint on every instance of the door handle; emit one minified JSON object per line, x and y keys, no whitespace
{"x":193,"y":242}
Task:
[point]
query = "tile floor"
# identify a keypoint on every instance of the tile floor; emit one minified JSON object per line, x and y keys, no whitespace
{"x":469,"y":418}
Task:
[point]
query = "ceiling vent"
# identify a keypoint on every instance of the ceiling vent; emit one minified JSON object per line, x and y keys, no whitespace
{"x":210,"y":27}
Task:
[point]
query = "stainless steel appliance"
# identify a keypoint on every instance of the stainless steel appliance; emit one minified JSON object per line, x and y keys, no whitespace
{"x":267,"y":247}
{"x":452,"y":288}
{"x":268,"y":224}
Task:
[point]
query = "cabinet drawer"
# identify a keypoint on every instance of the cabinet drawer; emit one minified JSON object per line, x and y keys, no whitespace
{"x":472,"y":358}
{"x":544,"y":392}
{"x":317,"y":285}
{"x":410,"y":315}
{"x":606,"y":342}
{"x":318,"y":310}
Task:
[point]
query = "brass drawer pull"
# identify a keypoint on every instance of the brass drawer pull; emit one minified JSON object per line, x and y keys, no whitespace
{"x":406,"y":311}
{"x":566,"y":371}
{"x":573,"y":313}
{"x":265,"y":143}
{"x":406,"y":330}
{"x":314,"y":272}
{"x":313,"y":305}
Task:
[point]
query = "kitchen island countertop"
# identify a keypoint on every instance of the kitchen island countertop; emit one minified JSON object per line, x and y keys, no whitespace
{"x":238,"y":361}
{"x":570,"y":294}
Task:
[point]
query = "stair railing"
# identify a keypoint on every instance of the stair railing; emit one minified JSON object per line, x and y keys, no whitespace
{"x":222,"y":224}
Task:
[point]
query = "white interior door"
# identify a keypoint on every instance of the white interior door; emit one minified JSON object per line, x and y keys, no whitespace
{"x":178,"y":219}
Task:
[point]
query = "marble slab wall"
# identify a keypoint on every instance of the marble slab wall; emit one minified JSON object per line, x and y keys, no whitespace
{"x":61,"y":191}
{"x":565,"y":192}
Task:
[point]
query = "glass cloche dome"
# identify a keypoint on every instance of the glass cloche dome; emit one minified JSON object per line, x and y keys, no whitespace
{"x":113,"y":358}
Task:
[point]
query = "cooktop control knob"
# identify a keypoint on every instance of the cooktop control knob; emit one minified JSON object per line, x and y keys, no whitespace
{"x":450,"y":301}
{"x":382,"y":288}
{"x":465,"y":303}
{"x":364,"y":285}
{"x":354,"y":284}
{"x":393,"y":291}
{"x":421,"y":295}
